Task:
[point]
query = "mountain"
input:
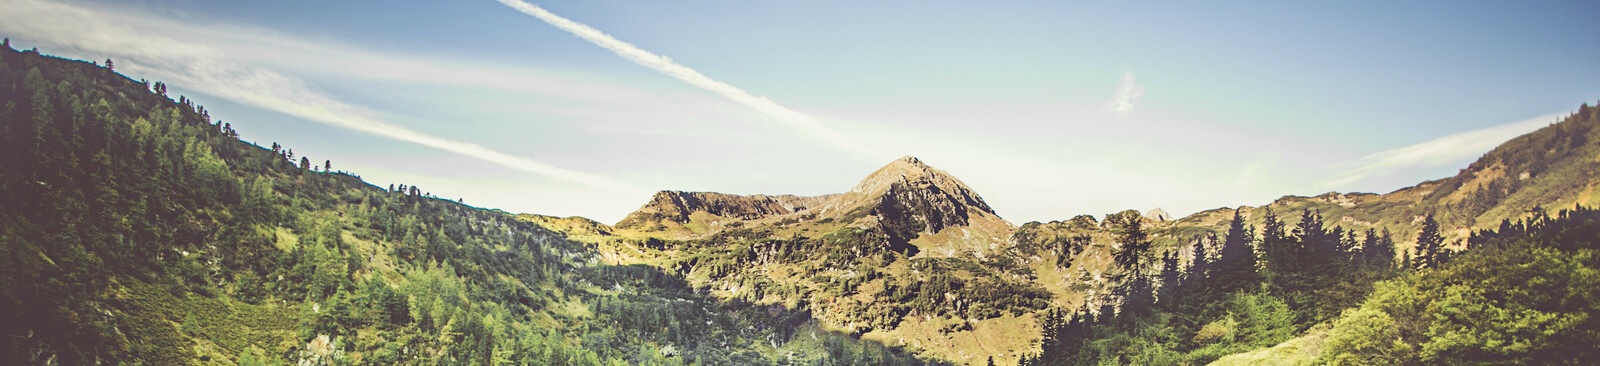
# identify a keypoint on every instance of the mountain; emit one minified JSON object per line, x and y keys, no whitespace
{"x":1407,"y":277}
{"x":135,"y":229}
{"x":1547,"y":170}
{"x":908,"y":202}
{"x":678,"y":207}
{"x":1060,"y":264}
{"x":909,"y":256}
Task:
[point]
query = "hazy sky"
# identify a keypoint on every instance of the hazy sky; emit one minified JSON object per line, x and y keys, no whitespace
{"x":1047,"y":109}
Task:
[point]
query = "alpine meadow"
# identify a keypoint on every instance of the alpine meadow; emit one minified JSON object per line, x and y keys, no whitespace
{"x":507,"y":183}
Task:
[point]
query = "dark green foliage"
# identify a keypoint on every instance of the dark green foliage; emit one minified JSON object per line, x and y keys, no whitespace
{"x":1525,"y":294}
{"x":1235,"y":267}
{"x":1214,"y":308}
{"x":1430,"y":245}
{"x":135,"y":229}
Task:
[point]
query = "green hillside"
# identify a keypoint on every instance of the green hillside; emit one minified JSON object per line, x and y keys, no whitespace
{"x":137,"y":230}
{"x":1481,"y":268}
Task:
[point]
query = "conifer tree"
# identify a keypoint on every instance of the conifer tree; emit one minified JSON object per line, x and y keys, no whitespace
{"x":1170,"y":277}
{"x":1429,"y":244}
{"x":1130,"y":258}
{"x":1366,"y":256}
{"x":1196,"y":282}
{"x":1235,"y":268}
{"x":1276,"y":248}
{"x":1385,"y":251}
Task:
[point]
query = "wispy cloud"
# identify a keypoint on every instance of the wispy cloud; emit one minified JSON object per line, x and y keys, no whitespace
{"x":1126,"y":97}
{"x":1437,"y":152}
{"x":207,"y":70}
{"x":665,"y":65}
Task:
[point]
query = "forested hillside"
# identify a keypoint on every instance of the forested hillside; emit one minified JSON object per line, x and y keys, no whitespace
{"x":909,"y":257}
{"x":1299,"y":288}
{"x":135,"y":229}
{"x":1525,"y":293}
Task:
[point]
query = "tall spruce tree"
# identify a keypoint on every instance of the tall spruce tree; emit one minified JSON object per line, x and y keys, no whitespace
{"x":1385,"y":254}
{"x":1429,"y":244}
{"x":1171,"y":276}
{"x":1131,"y":259}
{"x":1235,"y":268}
{"x":1277,"y":247}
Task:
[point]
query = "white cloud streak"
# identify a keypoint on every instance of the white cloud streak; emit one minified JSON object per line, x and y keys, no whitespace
{"x":210,"y":71}
{"x":1437,"y":152}
{"x":1127,"y":95}
{"x":665,"y":65}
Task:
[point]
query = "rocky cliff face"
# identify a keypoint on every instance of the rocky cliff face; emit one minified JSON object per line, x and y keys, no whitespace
{"x":677,"y":206}
{"x":908,"y":198}
{"x":903,"y":200}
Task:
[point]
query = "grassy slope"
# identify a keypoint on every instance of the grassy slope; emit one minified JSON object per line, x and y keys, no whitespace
{"x":266,"y":257}
{"x":1560,"y":162}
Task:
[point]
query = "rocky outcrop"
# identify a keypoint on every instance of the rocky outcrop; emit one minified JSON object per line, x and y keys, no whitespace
{"x":909,"y":198}
{"x":1158,"y":215}
{"x":676,"y":206}
{"x":902,"y":200}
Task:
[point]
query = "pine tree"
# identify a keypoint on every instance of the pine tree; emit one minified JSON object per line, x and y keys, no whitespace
{"x":1235,"y":268}
{"x":1276,"y":248}
{"x":1130,"y":258}
{"x":1367,"y":255}
{"x":1347,"y":248}
{"x":1200,"y":258}
{"x":1377,"y":250}
{"x":1132,"y":241}
{"x":1196,"y":281}
{"x":1429,"y":244}
{"x":1170,"y":277}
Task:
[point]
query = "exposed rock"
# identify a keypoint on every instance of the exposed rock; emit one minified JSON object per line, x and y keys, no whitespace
{"x":910,"y":198}
{"x":1158,"y":215}
{"x":676,"y":206}
{"x":902,"y":200}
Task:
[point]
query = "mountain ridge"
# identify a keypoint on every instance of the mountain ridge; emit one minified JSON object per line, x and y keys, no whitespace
{"x":905,"y":200}
{"x":143,"y":231}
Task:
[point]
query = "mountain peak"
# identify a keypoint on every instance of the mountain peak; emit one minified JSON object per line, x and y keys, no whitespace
{"x":909,"y":160}
{"x":910,"y":171}
{"x":909,"y":197}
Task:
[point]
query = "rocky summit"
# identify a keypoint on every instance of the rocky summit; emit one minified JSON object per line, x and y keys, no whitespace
{"x":904,"y":200}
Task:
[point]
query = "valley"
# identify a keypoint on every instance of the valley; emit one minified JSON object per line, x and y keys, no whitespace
{"x":139,"y":230}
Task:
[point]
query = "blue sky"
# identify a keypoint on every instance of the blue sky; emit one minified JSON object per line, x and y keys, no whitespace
{"x":1048,"y":109}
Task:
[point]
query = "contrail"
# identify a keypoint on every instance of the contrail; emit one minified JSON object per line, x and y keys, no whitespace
{"x":207,"y":70}
{"x":665,"y":65}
